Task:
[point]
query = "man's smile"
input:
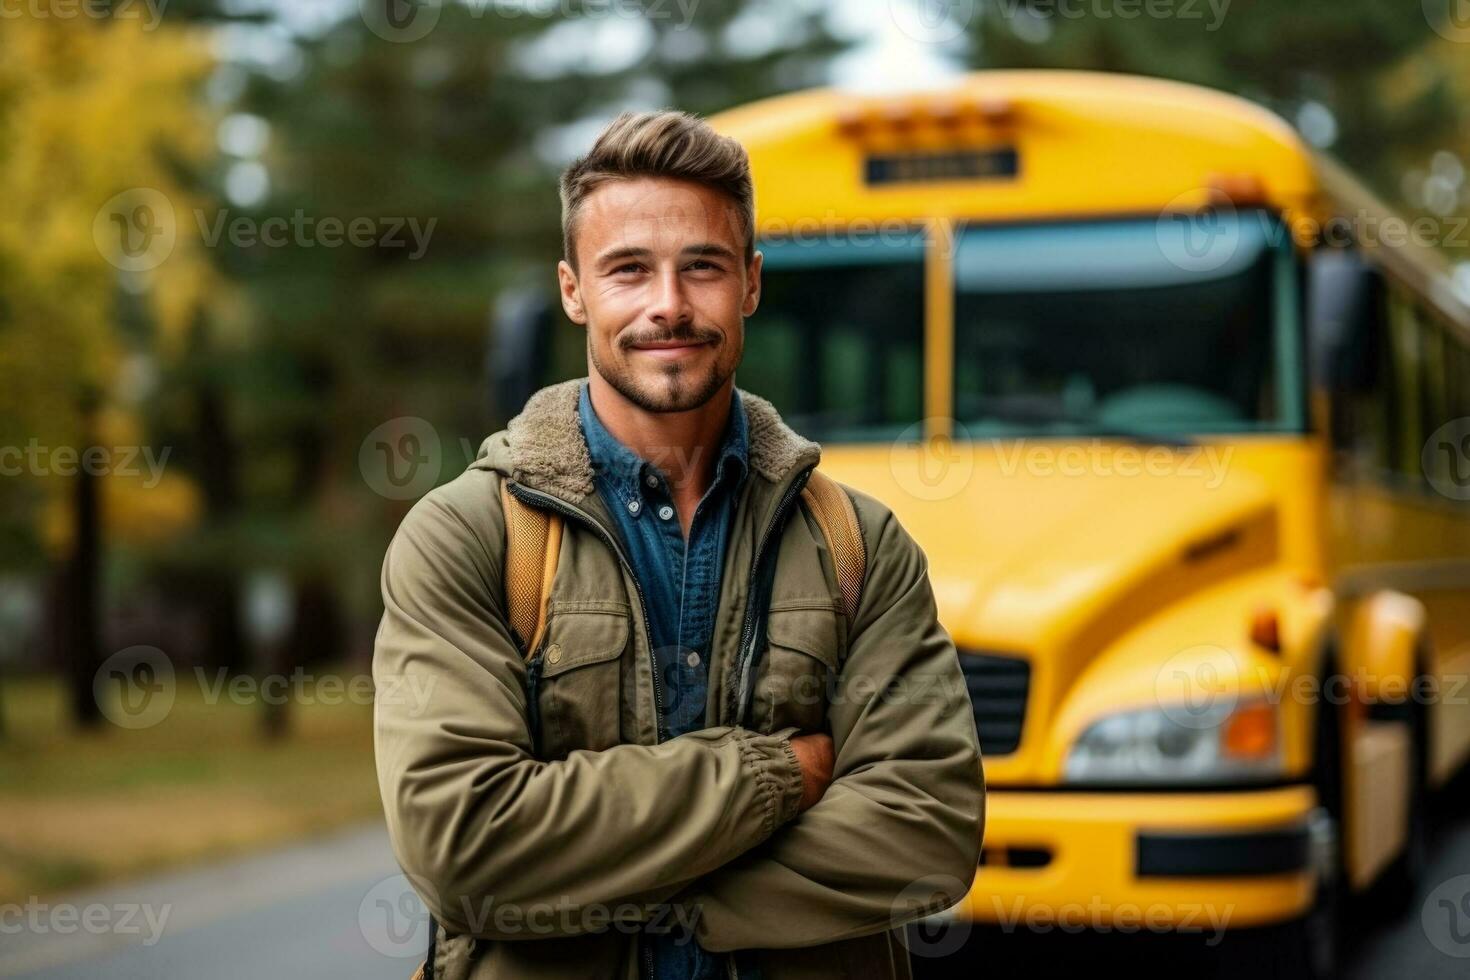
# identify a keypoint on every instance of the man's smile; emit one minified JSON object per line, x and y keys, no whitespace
{"x":670,"y":351}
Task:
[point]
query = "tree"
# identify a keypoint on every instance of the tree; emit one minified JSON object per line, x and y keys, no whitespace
{"x":98,"y":115}
{"x":1327,"y":65}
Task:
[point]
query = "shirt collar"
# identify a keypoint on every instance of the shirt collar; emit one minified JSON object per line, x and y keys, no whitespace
{"x":627,"y":471}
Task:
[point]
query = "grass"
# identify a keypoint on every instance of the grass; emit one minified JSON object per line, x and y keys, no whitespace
{"x":79,"y":808}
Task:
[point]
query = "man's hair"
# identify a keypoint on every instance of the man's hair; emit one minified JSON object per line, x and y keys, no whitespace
{"x":666,"y":143}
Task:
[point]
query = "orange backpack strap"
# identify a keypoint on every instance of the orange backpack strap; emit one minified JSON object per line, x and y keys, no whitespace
{"x":532,"y":545}
{"x":832,"y":509}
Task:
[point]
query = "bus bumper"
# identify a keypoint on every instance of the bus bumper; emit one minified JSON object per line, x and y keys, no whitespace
{"x":1174,"y":861}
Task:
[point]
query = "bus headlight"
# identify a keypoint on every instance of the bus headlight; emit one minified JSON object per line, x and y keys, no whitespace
{"x":1226,"y":743}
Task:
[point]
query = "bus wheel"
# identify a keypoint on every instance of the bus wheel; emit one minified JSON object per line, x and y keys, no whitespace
{"x":1313,"y":943}
{"x":1399,"y":883}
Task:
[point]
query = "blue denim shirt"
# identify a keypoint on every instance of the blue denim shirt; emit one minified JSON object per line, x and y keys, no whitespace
{"x":681,"y":587}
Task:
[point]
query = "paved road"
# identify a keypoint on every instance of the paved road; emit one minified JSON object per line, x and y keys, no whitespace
{"x":337,"y":909}
{"x":333,"y":909}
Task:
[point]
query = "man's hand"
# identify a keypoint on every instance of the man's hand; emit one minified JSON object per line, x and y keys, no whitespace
{"x":814,"y":752}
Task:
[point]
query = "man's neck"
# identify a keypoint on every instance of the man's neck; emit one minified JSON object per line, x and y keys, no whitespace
{"x":682,"y":444}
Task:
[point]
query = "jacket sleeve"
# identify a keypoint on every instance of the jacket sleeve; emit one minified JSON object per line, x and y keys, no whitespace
{"x":897,"y":834}
{"x":477,"y":823}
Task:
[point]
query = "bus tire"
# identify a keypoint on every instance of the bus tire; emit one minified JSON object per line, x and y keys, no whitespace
{"x":1312,"y":944}
{"x":1398,"y":885}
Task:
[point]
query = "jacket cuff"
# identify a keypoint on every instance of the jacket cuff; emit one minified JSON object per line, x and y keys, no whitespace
{"x":772,"y":761}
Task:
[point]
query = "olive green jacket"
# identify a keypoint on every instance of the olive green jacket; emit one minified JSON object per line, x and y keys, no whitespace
{"x":540,"y":852}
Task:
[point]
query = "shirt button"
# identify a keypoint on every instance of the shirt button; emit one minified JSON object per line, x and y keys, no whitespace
{"x":553,"y":653}
{"x":666,"y":512}
{"x":692,"y":659}
{"x":634,"y":506}
{"x":651,"y":480}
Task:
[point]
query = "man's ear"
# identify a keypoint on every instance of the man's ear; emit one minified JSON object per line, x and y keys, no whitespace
{"x":571,"y":293}
{"x":752,"y":297}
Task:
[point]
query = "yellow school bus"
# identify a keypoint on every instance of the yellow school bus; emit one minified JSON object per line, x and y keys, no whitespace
{"x":1180,"y":414}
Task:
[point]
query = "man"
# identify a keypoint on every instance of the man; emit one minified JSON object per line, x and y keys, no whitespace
{"x":706,"y":768}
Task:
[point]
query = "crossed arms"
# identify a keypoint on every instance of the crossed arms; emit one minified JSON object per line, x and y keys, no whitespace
{"x":706,"y":820}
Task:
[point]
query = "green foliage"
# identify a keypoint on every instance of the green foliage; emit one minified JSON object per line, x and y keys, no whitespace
{"x":1341,"y":54}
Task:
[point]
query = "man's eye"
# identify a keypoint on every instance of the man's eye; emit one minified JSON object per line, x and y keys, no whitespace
{"x":702,"y":264}
{"x":627,"y":267}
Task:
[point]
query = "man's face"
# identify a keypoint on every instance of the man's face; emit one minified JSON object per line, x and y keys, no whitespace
{"x":663,"y":289}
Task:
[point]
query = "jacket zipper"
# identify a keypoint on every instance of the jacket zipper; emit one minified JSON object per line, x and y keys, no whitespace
{"x":533,"y":685}
{"x":747,"y":632}
{"x":528,"y":495}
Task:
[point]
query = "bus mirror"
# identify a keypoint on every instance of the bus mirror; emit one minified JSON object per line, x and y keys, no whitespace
{"x":518,"y":351}
{"x":1344,"y":300}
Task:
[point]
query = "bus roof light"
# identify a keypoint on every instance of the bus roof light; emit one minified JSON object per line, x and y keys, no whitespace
{"x":996,"y":110}
{"x":865,"y":118}
{"x":1237,"y":189}
{"x":1266,"y":629}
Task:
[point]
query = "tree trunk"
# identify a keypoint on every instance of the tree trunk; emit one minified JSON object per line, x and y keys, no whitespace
{"x":78,"y":618}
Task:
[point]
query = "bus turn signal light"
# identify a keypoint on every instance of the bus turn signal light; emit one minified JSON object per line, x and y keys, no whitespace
{"x":1266,"y":629}
{"x":1250,"y":732}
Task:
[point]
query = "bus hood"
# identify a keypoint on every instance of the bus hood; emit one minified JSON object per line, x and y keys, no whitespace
{"x":1067,"y":554}
{"x":1029,"y":542}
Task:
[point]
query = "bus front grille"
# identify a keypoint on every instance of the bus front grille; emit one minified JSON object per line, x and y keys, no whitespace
{"x":997,"y":686}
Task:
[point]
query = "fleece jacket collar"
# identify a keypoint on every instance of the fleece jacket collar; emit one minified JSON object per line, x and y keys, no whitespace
{"x":543,"y":447}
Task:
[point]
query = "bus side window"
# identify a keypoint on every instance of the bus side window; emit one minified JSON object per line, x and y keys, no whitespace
{"x":1434,"y":406}
{"x":1365,"y":427}
{"x":1407,"y":354}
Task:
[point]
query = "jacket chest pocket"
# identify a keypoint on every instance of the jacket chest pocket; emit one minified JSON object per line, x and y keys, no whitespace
{"x":797,"y":674}
{"x":578,"y":681}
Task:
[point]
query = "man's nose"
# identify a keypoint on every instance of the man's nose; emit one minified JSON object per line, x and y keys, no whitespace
{"x":668,"y":304}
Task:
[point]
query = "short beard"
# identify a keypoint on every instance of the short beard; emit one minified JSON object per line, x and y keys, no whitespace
{"x":674,"y":392}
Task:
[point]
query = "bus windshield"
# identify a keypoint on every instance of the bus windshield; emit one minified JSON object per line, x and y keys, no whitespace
{"x":1142,"y":326}
{"x":837,"y":341}
{"x":1172,"y":326}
